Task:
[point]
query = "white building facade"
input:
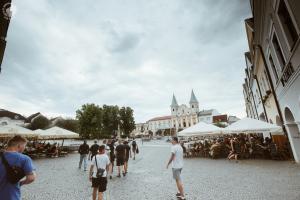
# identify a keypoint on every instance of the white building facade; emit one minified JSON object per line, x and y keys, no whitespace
{"x":184,"y":116}
{"x":11,"y":118}
{"x":274,"y":43}
{"x":159,"y":124}
{"x":207,"y":115}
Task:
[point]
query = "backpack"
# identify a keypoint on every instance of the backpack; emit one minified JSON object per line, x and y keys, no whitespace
{"x":14,"y":173}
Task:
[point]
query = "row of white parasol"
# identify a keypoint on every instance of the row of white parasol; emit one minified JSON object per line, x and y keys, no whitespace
{"x":11,"y":130}
{"x":246,"y":125}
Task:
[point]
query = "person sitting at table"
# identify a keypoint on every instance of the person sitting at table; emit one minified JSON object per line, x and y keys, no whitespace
{"x":215,"y":149}
{"x":53,"y":151}
{"x":235,"y":149}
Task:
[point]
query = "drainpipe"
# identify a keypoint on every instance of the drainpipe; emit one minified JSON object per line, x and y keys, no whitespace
{"x":260,"y":94}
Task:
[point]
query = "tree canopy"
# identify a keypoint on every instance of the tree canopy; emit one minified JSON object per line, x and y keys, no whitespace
{"x":101,"y":122}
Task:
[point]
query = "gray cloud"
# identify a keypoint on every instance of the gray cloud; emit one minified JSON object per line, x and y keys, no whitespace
{"x":60,"y":55}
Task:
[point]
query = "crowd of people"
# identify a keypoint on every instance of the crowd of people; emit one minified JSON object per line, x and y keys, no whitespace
{"x":104,"y":158}
{"x":239,"y":146}
{"x":37,"y":149}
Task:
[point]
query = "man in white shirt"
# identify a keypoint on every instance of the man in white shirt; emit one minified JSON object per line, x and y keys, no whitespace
{"x":177,"y":164}
{"x":100,"y":163}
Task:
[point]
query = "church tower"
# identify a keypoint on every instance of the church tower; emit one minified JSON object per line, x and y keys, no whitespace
{"x":174,"y":106}
{"x":194,"y":104}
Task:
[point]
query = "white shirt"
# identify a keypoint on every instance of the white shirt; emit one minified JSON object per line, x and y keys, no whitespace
{"x":107,"y":149}
{"x":102,"y":162}
{"x":177,"y":162}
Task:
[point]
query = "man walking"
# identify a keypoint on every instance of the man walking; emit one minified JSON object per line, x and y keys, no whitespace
{"x":134,"y":148}
{"x":83,"y":151}
{"x":13,"y":158}
{"x":120,"y":154}
{"x":111,"y":156}
{"x":127,"y":155}
{"x":98,"y":173}
{"x":177,"y":164}
{"x":94,"y":149}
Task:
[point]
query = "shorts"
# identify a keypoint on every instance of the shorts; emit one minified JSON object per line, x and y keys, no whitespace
{"x":99,"y":183}
{"x":134,"y":149}
{"x":120,"y":161}
{"x":126,"y":159}
{"x":112,"y":158}
{"x":177,"y":173}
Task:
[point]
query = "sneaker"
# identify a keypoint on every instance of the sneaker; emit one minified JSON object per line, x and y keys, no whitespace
{"x":181,"y":198}
{"x":119,"y":176}
{"x":124,"y":174}
{"x":178,"y":194}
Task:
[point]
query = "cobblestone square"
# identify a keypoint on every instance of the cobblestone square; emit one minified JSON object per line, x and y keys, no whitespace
{"x":60,"y":179}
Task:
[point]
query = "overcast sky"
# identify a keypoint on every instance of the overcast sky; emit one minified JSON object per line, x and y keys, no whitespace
{"x":137,"y":53}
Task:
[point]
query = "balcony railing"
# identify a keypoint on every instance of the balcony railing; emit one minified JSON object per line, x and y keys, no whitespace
{"x":287,"y":73}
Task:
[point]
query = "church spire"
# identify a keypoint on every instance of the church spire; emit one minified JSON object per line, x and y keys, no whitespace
{"x":174,"y":102}
{"x":193,"y":98}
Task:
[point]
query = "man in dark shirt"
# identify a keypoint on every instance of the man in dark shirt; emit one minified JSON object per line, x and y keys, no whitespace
{"x":94,"y":149}
{"x":120,"y":153}
{"x":111,"y":145}
{"x":83,"y":151}
{"x":134,"y":148}
{"x":127,"y":155}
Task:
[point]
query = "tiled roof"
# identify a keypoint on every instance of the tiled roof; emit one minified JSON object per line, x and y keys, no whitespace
{"x":11,"y":115}
{"x":205,"y":112}
{"x":31,"y":117}
{"x":160,"y":118}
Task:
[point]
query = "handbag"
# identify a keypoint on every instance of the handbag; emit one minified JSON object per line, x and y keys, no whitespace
{"x":14,"y":173}
{"x":100,"y":171}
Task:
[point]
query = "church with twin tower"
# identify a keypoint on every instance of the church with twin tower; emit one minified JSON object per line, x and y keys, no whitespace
{"x":183,"y":116}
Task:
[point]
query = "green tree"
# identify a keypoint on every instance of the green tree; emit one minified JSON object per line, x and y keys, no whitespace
{"x":110,"y":119}
{"x":127,"y":124}
{"x":90,"y":121}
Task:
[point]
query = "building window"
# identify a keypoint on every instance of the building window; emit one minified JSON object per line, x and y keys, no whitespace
{"x":278,"y":51}
{"x":287,"y":23}
{"x":274,"y":69}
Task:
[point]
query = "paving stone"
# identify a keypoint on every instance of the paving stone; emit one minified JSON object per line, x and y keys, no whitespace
{"x":148,"y":178}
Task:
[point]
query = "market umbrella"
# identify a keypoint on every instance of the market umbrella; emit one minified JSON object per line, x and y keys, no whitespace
{"x":248,"y":125}
{"x":200,"y":129}
{"x":57,"y":133}
{"x":11,"y":130}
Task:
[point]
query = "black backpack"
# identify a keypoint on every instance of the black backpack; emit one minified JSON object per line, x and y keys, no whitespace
{"x":14,"y":173}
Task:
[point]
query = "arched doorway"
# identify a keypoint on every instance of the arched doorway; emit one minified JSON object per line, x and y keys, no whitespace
{"x":293,"y":132}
